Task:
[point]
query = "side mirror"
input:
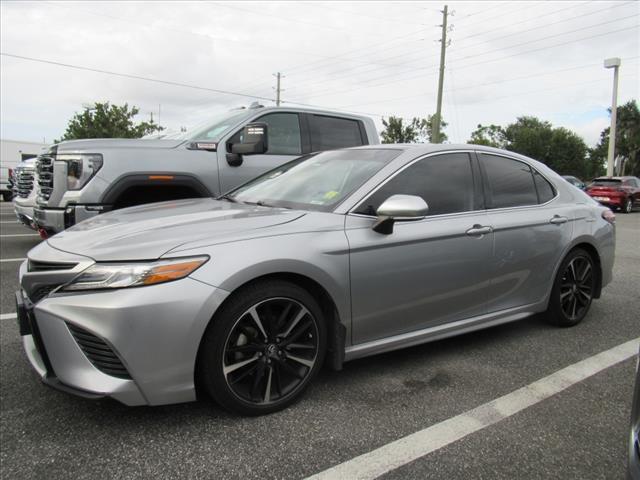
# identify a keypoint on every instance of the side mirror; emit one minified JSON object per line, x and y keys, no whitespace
{"x":254,"y":140}
{"x":399,"y":207}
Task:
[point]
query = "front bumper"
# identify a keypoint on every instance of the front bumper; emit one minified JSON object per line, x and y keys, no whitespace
{"x":155,"y":331}
{"x":24,"y":215}
{"x":55,"y":220}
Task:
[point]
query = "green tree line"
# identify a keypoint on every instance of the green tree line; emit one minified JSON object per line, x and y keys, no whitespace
{"x":561,"y":149}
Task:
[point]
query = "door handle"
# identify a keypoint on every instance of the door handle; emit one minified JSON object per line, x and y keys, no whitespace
{"x":558,"y":220}
{"x":479,"y":230}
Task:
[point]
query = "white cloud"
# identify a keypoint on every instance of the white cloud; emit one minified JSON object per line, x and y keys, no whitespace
{"x":376,"y":57}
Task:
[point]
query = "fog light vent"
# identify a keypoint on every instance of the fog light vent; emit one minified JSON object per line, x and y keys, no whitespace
{"x":99,"y":353}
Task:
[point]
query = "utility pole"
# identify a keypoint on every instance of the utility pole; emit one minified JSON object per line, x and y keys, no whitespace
{"x":615,"y":64}
{"x":443,"y":49}
{"x":278,"y":89}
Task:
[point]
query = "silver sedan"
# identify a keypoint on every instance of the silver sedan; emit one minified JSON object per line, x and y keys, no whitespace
{"x":328,"y":258}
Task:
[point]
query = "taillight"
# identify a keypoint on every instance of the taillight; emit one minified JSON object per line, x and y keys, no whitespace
{"x":609,"y":216}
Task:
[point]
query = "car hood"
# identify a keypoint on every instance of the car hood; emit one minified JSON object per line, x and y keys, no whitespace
{"x":148,"y":231}
{"x":95,"y":145}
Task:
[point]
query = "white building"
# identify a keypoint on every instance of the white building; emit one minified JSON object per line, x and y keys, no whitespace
{"x":12,"y":152}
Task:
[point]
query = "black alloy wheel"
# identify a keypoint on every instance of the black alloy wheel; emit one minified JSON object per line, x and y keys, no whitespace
{"x":267,"y":345}
{"x":270,"y":350}
{"x":573,"y":290}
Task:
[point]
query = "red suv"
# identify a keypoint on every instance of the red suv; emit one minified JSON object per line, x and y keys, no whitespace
{"x":616,"y":192}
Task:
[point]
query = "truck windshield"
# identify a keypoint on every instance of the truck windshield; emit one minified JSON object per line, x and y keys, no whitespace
{"x":315,"y":182}
{"x":212,"y":129}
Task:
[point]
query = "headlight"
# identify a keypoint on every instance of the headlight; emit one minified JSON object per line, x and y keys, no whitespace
{"x":111,"y":275}
{"x":80,"y":168}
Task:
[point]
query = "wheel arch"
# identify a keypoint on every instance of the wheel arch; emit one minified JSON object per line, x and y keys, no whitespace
{"x":127,"y":183}
{"x":336,"y":329}
{"x":587,"y":244}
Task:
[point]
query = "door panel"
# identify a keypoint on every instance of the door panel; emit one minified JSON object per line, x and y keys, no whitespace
{"x":425,"y":273}
{"x":528,"y":246}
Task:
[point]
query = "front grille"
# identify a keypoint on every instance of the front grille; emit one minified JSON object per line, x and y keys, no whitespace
{"x":41,"y":292}
{"x":35,"y":266}
{"x":98,"y":352}
{"x":23,"y":181}
{"x":45,"y":177}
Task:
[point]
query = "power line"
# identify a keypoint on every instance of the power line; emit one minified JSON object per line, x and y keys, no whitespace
{"x":478,"y":85}
{"x":409,"y":66}
{"x":360,"y":14}
{"x":327,"y":92}
{"x":136,"y":77}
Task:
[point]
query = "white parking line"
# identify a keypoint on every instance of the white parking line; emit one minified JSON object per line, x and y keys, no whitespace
{"x":407,"y":449}
{"x":9,"y":221}
{"x":7,"y":316}
{"x":20,"y":235}
{"x":7,"y":260}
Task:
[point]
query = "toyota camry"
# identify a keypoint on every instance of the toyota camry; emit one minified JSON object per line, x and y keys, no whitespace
{"x":328,"y":258}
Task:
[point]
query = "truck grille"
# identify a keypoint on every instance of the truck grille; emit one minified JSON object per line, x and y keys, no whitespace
{"x":98,"y":352}
{"x":23,"y":181}
{"x":45,"y":177}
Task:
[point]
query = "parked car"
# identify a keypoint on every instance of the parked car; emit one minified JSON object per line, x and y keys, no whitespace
{"x":5,"y":184}
{"x":82,"y":178}
{"x":575,"y":181}
{"x":334,"y":256}
{"x":24,"y":195}
{"x":620,"y":193}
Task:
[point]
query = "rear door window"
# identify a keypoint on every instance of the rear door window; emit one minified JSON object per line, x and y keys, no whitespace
{"x":510,"y":182}
{"x":544,"y":188}
{"x":328,"y":133}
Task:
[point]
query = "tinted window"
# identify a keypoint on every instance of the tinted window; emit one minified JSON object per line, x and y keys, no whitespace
{"x":444,"y":181}
{"x":510,"y":182}
{"x":606,"y":182}
{"x":545,"y":190}
{"x":330,"y":132}
{"x":284,"y":133}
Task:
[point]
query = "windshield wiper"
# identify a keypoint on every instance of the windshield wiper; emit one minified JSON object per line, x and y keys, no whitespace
{"x":228,"y":197}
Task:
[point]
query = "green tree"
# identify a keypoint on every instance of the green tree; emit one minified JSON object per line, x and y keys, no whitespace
{"x":627,"y":140}
{"x":559,"y":148}
{"x":107,"y":121}
{"x":488,"y":135}
{"x":419,"y":130}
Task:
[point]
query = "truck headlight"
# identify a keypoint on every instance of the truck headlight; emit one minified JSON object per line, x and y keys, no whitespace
{"x":81,"y":167}
{"x":111,"y":275}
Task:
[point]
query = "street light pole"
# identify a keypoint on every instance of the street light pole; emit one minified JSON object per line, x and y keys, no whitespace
{"x":615,"y":64}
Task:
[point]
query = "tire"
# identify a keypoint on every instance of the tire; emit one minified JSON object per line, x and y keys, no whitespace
{"x":628,"y":205}
{"x":7,"y":196}
{"x":573,"y":289}
{"x":256,"y":367}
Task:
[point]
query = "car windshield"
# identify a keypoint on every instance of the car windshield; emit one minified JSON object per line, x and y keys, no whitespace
{"x":211,"y":129}
{"x":316,"y":182}
{"x":606,"y":182}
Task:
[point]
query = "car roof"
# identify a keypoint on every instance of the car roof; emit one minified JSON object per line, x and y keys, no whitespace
{"x":425,"y":148}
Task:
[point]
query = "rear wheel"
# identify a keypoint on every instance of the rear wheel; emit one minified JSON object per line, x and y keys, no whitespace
{"x":628,"y":205}
{"x":573,"y":289}
{"x":263,"y":348}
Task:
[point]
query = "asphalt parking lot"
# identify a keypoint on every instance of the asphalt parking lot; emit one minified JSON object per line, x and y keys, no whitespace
{"x":579,"y":433}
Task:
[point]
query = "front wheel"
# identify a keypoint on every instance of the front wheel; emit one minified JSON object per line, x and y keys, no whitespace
{"x":573,"y":289}
{"x":628,"y":205}
{"x":263,"y":348}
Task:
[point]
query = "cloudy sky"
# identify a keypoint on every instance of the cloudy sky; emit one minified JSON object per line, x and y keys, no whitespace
{"x":505,"y":59}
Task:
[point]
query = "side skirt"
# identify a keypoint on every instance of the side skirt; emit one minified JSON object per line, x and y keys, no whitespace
{"x":439,"y":332}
